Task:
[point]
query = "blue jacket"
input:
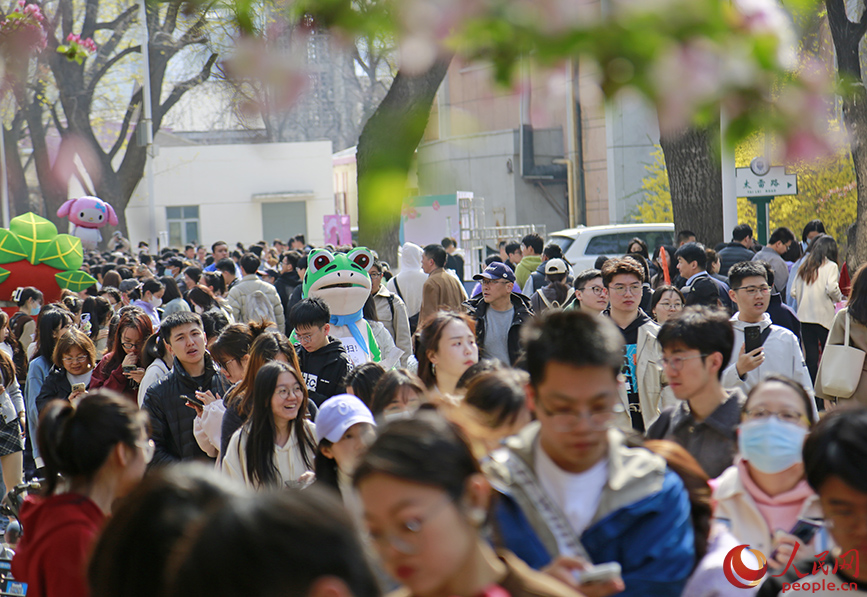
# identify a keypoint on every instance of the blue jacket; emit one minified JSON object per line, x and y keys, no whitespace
{"x":643,"y":521}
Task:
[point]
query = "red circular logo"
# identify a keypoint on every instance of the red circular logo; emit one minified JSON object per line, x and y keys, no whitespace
{"x":734,"y":564}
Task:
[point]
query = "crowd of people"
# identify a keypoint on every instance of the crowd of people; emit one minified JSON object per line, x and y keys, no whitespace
{"x":622,"y":430}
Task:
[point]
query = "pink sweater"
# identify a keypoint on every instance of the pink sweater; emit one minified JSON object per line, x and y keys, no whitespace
{"x":781,"y":511}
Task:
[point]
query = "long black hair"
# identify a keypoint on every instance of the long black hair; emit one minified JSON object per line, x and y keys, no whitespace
{"x":858,"y":296}
{"x":50,"y":319}
{"x":75,"y":441}
{"x":262,"y":431}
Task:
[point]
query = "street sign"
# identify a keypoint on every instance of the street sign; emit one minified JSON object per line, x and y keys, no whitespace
{"x":775,"y":182}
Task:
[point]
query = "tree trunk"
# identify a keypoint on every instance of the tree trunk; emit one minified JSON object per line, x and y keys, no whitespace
{"x":847,"y":38}
{"x":386,"y":149}
{"x":695,"y":180}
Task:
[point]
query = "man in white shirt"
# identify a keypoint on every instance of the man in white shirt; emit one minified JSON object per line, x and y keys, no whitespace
{"x":780,"y":351}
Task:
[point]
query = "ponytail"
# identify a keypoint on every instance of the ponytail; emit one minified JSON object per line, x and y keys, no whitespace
{"x":75,"y":441}
{"x":152,"y":286}
{"x":23,"y":294}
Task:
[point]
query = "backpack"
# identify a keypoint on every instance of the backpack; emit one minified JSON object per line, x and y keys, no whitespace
{"x":548,"y":304}
{"x":17,"y":323}
{"x":258,"y":308}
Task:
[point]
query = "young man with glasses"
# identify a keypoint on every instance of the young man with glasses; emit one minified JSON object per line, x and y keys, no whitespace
{"x":195,"y":375}
{"x":590,"y":292}
{"x":696,"y":347}
{"x":324,"y":360}
{"x":644,"y":391}
{"x":780,"y":351}
{"x":572,"y":490}
{"x":499,"y":314}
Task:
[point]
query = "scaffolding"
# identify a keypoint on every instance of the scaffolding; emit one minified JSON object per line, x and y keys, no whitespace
{"x":477,"y":240}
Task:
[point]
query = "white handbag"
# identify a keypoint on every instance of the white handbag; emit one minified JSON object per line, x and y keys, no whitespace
{"x":840,"y":369}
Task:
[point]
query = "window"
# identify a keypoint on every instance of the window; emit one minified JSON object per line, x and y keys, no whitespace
{"x":183,"y":223}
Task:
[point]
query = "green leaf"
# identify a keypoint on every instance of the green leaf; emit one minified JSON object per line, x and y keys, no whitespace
{"x":64,"y":252}
{"x":10,"y":247}
{"x":4,"y":274}
{"x":35,"y":234}
{"x":75,"y":281}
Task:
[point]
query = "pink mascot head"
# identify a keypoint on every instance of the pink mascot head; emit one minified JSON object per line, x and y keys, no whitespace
{"x":88,"y":212}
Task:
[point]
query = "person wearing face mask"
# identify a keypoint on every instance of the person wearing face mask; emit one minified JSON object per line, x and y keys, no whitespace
{"x":763,"y":495}
{"x":23,"y":323}
{"x":344,"y":429}
{"x":148,"y":297}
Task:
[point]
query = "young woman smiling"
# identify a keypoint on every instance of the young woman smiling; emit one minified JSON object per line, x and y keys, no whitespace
{"x":120,"y":370}
{"x":275,"y":448}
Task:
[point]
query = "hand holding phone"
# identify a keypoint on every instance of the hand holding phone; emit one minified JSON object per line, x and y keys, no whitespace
{"x":77,"y":388}
{"x":752,"y":338}
{"x":193,"y":400}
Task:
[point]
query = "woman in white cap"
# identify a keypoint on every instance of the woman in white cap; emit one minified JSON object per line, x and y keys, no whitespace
{"x":555,"y":293}
{"x":344,"y":429}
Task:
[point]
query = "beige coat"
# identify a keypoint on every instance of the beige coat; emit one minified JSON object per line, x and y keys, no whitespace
{"x":442,"y":292}
{"x":816,"y":301}
{"x":858,"y":339}
{"x":654,"y":395}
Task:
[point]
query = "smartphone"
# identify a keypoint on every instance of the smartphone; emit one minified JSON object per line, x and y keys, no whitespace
{"x":85,"y":319}
{"x":600,"y":573}
{"x":77,"y":387}
{"x":805,"y":530}
{"x":193,"y":400}
{"x":128,"y":368}
{"x":752,"y":338}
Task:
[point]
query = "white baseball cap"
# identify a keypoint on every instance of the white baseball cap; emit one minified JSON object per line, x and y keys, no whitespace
{"x":339,"y":413}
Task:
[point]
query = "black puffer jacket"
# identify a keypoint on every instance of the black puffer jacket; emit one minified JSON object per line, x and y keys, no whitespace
{"x":477,"y":307}
{"x":55,"y":387}
{"x":171,"y":419}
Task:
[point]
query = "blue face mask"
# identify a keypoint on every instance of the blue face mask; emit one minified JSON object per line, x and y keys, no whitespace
{"x":35,"y":310}
{"x":770,"y":445}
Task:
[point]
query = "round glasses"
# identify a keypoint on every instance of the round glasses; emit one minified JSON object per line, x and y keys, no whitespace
{"x":78,"y":360}
{"x":567,"y":420}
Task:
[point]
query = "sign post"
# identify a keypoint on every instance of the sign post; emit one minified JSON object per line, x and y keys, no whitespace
{"x":761,"y":183}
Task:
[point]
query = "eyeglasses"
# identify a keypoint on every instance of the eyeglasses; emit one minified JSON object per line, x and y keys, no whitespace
{"x":406,"y":537}
{"x":306,"y":337}
{"x":754,"y":290}
{"x":670,"y":306}
{"x":786,"y":416}
{"x":375,"y":275}
{"x":597,"y":290}
{"x":224,"y":365}
{"x":487,"y":282}
{"x":79,"y":359}
{"x":147,"y":448}
{"x":129,"y":345}
{"x":676,"y":363}
{"x":621,"y":289}
{"x":283,"y":392}
{"x":566,"y":420}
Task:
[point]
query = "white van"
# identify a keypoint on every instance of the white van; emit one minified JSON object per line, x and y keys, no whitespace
{"x":581,"y":246}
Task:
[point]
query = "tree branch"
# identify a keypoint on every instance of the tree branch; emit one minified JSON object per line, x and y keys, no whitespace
{"x":56,"y":118}
{"x":171,"y":20}
{"x":106,"y":50}
{"x":96,"y":76}
{"x":134,"y":101}
{"x":90,"y":13}
{"x":111,"y":25}
{"x":181,"y":88}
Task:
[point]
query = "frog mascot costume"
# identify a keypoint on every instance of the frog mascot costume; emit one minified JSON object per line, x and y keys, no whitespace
{"x":343,"y":281}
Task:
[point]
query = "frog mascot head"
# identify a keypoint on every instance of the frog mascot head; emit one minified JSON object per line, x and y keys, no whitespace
{"x":343,"y":281}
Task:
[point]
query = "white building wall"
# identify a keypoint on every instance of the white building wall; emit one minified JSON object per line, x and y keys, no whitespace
{"x":223,"y":180}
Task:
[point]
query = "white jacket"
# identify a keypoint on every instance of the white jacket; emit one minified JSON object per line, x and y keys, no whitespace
{"x":288,"y":459}
{"x":208,"y":429}
{"x":411,"y":278}
{"x":782,"y":356}
{"x":246,"y":286}
{"x":816,"y":301}
{"x":156,"y":371}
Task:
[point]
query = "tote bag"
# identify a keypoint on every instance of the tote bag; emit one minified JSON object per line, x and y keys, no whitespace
{"x":840,"y":369}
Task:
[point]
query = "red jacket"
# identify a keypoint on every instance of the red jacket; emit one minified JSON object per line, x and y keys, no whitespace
{"x":52,"y":556}
{"x":112,"y":379}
